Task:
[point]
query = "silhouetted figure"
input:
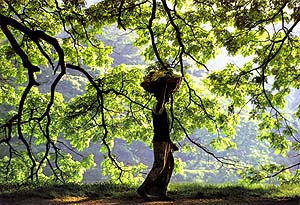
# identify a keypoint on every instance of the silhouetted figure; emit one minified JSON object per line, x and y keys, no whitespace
{"x":156,"y":182}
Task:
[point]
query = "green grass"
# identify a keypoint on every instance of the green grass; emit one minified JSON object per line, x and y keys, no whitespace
{"x":99,"y":190}
{"x":233,"y":192}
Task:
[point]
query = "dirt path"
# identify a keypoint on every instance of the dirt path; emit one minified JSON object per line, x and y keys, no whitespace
{"x":88,"y":201}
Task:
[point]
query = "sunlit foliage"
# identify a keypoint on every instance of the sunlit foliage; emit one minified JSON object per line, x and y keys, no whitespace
{"x":45,"y":43}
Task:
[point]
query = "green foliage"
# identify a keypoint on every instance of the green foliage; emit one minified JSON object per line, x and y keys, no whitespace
{"x":59,"y":36}
{"x":73,"y":170}
{"x":129,"y":175}
{"x":17,"y":169}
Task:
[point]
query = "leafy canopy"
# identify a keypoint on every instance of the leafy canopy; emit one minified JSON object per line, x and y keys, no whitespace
{"x":54,"y":40}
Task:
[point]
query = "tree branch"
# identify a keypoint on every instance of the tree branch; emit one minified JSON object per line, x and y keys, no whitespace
{"x":222,"y":160}
{"x":152,"y":35}
{"x":100,"y":99}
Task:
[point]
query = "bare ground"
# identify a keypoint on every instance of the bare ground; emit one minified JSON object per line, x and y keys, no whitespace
{"x":127,"y":201}
{"x":110,"y":194}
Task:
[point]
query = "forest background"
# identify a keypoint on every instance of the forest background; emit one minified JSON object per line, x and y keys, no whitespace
{"x":72,"y":108}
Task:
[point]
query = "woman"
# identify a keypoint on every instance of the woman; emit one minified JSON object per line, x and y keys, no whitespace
{"x":156,"y":182}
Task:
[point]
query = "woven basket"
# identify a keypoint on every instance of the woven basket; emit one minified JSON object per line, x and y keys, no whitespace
{"x":156,"y":80}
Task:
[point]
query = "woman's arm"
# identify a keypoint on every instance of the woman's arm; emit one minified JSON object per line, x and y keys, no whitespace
{"x":161,"y":97}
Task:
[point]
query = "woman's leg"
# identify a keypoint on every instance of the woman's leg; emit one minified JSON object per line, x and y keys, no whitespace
{"x":161,"y":151}
{"x":164,"y":178}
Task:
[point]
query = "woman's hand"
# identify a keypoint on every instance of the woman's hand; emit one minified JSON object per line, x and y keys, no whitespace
{"x":174,"y":147}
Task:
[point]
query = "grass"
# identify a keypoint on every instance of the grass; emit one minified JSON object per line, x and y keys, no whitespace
{"x":231,"y":192}
{"x":235,"y":191}
{"x":99,"y":190}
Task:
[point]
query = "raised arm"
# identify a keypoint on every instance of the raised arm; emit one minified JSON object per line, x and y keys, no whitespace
{"x":161,"y":97}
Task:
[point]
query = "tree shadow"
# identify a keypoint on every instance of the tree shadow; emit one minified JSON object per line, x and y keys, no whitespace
{"x":188,"y":193}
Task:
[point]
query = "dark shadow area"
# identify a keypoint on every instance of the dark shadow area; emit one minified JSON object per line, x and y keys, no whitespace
{"x":108,"y":193}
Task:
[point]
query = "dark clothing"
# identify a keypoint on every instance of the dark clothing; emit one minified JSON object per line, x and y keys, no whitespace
{"x":161,"y":127}
{"x":161,"y":183}
{"x":159,"y":176}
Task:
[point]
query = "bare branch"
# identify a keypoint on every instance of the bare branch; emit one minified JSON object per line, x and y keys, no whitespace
{"x":152,"y":35}
{"x":222,"y":160}
{"x":100,"y":99}
{"x":120,"y":14}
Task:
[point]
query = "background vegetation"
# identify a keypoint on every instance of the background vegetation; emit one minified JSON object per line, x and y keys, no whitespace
{"x":72,"y":104}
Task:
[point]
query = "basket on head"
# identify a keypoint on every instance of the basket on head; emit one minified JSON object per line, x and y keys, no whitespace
{"x":155,"y":79}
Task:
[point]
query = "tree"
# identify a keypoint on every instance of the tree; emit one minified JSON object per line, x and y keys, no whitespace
{"x":38,"y":36}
